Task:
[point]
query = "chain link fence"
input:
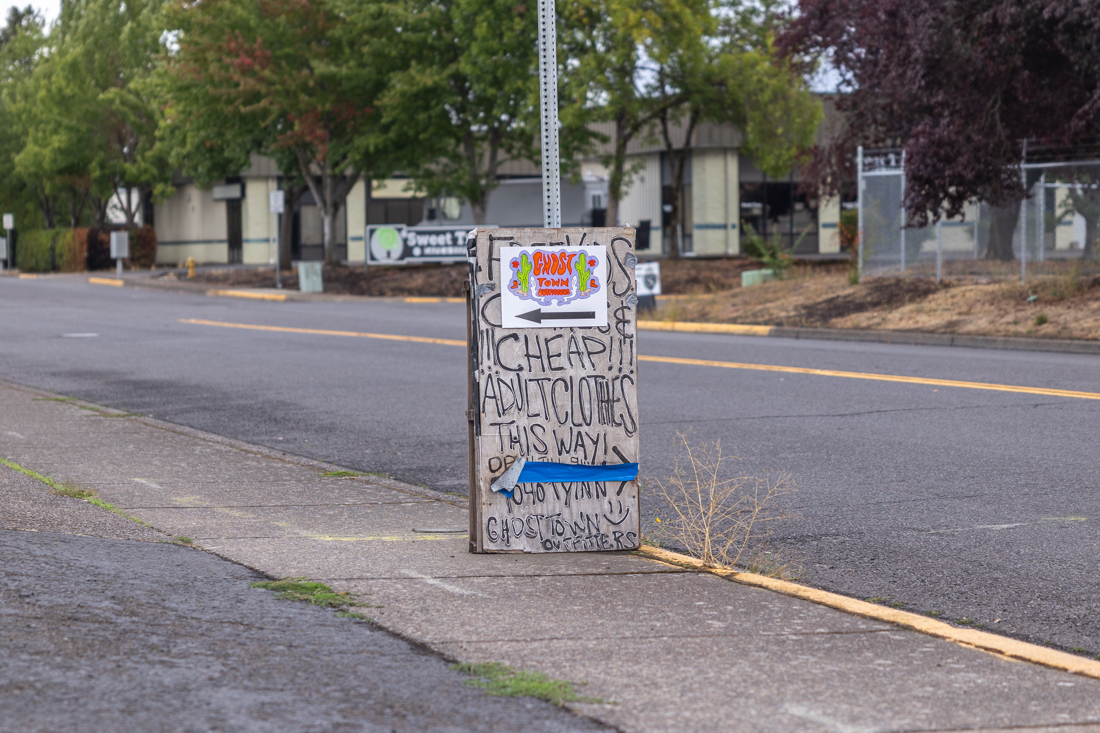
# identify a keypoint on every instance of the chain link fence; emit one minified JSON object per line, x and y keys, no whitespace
{"x":1052,"y":232}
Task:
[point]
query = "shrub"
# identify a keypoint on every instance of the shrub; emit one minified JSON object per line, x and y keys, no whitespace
{"x":98,"y":249}
{"x":35,"y":252}
{"x":715,"y":512}
{"x":143,"y":247}
{"x":770,"y":254}
{"x":70,"y":250}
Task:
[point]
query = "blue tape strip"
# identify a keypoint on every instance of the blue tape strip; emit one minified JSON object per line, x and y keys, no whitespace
{"x":564,"y":473}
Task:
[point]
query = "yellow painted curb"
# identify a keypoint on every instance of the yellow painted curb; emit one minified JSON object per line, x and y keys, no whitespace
{"x":247,"y":294}
{"x":982,"y":640}
{"x":419,"y":299}
{"x":106,"y":281}
{"x":734,"y":328}
{"x":25,"y":276}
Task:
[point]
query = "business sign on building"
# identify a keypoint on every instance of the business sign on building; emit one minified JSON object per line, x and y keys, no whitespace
{"x":397,"y":244}
{"x":553,"y":396}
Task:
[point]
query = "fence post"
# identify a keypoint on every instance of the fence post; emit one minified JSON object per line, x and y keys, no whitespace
{"x":939,"y":250}
{"x":1023,"y":218}
{"x":977,"y":218}
{"x":903,"y":212}
{"x":859,"y":206}
{"x":1041,"y":224}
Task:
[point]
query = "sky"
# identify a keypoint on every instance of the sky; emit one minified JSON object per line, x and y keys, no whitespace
{"x":48,"y":8}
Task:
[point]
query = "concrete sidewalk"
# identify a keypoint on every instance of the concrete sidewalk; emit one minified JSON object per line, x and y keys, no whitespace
{"x":668,"y":648}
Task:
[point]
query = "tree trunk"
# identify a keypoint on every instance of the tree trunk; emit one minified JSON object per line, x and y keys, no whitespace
{"x":616,"y":175}
{"x":479,"y":209}
{"x":46,"y":205}
{"x":328,"y":233}
{"x":677,"y":159}
{"x":1002,"y":227}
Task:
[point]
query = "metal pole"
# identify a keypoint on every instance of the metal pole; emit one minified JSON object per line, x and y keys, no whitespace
{"x":859,"y":206}
{"x":548,"y":100}
{"x":902,"y":212}
{"x":1041,"y":223}
{"x":1023,"y":218}
{"x":977,"y":218}
{"x":939,"y":250}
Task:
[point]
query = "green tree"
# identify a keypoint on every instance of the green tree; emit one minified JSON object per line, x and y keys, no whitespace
{"x":21,"y":43}
{"x":463,"y":98}
{"x":89,"y":113}
{"x":281,"y":78}
{"x":752,"y":89}
{"x":613,"y":51}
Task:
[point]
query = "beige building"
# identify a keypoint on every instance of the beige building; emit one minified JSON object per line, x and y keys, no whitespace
{"x":723,"y":192}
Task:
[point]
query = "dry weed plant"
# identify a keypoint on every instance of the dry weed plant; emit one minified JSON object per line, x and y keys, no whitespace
{"x":717,"y":512}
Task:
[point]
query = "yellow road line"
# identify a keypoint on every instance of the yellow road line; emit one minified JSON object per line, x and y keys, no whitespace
{"x":697,"y":362}
{"x":981,"y":640}
{"x":247,"y":294}
{"x":26,"y":276}
{"x":417,"y":299}
{"x":321,"y":332}
{"x":106,"y":281}
{"x":733,"y":328}
{"x":876,"y":377}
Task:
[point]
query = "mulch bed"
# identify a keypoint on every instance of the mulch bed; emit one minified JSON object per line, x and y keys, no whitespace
{"x":678,"y":277}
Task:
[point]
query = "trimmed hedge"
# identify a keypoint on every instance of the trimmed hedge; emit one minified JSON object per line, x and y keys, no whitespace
{"x":35,"y":252}
{"x":75,"y":250}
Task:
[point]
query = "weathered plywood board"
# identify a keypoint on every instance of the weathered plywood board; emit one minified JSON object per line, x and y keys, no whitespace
{"x":560,"y":395}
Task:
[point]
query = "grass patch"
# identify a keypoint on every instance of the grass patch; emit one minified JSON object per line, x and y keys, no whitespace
{"x":353,"y":614}
{"x":933,"y":614}
{"x":965,"y":621}
{"x":300,"y":589}
{"x":503,"y":681}
{"x":70,"y":489}
{"x":184,"y":539}
{"x":73,"y":491}
{"x":878,"y":599}
{"x":774,"y":564}
{"x":339,"y":474}
{"x":1041,"y":319}
{"x":1079,"y":650}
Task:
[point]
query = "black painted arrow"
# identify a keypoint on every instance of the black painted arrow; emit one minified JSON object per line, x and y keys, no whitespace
{"x":537,"y":316}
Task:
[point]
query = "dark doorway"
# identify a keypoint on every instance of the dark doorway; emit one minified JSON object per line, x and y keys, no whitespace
{"x":234,"y":231}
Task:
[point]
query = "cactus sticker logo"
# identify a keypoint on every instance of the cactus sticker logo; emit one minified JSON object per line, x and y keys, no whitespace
{"x":549,"y":276}
{"x":561,"y":285}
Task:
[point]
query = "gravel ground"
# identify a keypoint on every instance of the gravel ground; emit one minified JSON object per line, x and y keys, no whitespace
{"x":104,"y":633}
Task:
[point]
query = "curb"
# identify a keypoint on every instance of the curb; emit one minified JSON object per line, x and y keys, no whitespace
{"x":1002,"y":646}
{"x":912,"y":338}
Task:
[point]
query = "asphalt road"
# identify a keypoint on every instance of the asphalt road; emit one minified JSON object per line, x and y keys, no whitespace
{"x":971,"y":504}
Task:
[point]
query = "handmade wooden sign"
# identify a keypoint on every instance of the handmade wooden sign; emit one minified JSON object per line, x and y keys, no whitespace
{"x":553,"y":390}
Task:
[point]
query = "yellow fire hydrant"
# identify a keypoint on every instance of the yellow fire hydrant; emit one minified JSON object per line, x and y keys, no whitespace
{"x":190,"y":267}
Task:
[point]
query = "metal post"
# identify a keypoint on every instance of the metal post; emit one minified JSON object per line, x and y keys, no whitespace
{"x":859,"y":206}
{"x":902,"y":212}
{"x":977,"y":218}
{"x":939,"y":250}
{"x":1041,"y":223}
{"x":1023,"y":218}
{"x":548,"y":100}
{"x":118,"y":266}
